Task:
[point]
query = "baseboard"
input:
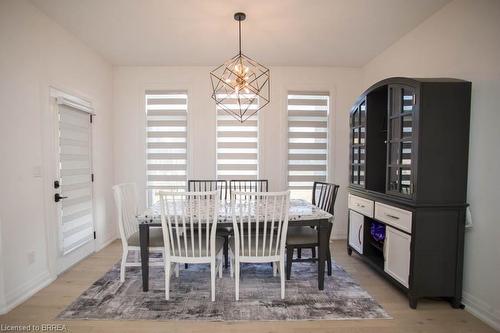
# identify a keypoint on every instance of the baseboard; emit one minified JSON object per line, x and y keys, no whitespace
{"x":106,"y":243}
{"x":481,"y":310}
{"x":26,"y":290}
{"x":339,"y":236}
{"x":31,"y":287}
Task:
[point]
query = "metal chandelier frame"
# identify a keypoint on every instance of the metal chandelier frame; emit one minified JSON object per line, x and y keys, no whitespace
{"x":241,"y":85}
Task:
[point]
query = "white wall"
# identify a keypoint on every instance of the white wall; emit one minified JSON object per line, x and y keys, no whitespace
{"x":462,"y":40}
{"x":36,"y":54}
{"x":129,"y":122}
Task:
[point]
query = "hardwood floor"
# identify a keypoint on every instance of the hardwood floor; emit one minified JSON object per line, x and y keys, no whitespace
{"x":431,"y":316}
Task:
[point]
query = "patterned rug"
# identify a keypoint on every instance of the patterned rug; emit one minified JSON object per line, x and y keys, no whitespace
{"x":260,"y":299}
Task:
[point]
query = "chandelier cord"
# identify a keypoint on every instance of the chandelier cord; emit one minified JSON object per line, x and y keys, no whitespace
{"x":239,"y":34}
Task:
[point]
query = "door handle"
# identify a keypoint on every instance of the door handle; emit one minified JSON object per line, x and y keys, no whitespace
{"x":57,"y":197}
{"x":359,"y":234}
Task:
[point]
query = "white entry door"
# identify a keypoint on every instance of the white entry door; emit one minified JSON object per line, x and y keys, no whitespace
{"x":73,"y":184}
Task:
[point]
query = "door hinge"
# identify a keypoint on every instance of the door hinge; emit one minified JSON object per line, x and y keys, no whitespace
{"x":92,"y":177}
{"x":91,"y":119}
{"x":95,"y":235}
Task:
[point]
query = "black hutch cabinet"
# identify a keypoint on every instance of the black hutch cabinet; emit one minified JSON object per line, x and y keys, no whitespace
{"x":409,"y":144}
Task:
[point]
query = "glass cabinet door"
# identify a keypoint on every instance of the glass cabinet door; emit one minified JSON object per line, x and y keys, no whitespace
{"x":402,"y":103}
{"x":358,"y":144}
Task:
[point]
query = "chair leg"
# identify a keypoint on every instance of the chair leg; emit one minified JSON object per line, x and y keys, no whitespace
{"x":226,"y":251}
{"x":237,"y":280}
{"x":185,"y":266}
{"x":289,"y":258}
{"x":212,"y":277}
{"x":167,"y":280}
{"x":299,"y":253}
{"x":275,"y":269}
{"x":329,"y":262}
{"x":314,"y":252}
{"x":177,"y":270}
{"x":231,"y":265}
{"x":282,"y":277}
{"x":220,"y":266}
{"x":122,"y":266}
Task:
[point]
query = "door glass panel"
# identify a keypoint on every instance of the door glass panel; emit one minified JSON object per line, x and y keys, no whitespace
{"x":406,"y":147}
{"x":395,"y":128}
{"x":392,"y":101}
{"x":405,"y":176}
{"x":393,"y":184}
{"x":362,"y":155}
{"x":394,"y":153}
{"x":407,"y":100}
{"x":362,"y":113}
{"x":407,"y":126}
{"x":355,"y":136}
{"x":355,"y":155}
{"x":355,"y":118}
{"x":362,"y":135}
{"x":355,"y":173}
{"x":77,"y":226}
{"x":361,"y":175}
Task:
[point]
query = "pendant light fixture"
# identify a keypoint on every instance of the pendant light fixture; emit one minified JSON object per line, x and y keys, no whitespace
{"x":240,"y":86}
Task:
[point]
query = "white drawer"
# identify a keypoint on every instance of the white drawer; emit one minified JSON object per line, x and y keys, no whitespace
{"x":396,"y":217}
{"x":361,"y":205}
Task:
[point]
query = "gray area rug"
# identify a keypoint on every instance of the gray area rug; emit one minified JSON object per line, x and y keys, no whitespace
{"x":342,"y":298}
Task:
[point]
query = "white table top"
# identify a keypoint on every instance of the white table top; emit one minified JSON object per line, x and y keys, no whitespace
{"x":300,"y":210}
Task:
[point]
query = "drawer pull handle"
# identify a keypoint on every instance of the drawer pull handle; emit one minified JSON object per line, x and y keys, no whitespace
{"x":360,"y":205}
{"x":392,"y":216}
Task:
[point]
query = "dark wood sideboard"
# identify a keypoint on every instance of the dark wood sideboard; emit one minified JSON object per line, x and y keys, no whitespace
{"x":409,"y":146}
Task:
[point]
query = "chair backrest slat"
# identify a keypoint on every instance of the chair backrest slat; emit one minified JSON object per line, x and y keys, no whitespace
{"x":208,"y":185}
{"x":324,"y":196}
{"x":242,"y":185}
{"x":126,"y":202}
{"x":260,"y":222}
{"x":185,"y":218}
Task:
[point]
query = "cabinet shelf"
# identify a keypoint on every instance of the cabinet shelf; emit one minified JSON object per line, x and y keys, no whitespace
{"x":376,"y":245}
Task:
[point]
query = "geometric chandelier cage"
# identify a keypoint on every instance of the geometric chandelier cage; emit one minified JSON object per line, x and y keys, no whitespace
{"x":240,"y":86}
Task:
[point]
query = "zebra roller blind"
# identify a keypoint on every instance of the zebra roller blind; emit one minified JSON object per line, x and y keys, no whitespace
{"x":75,"y":165}
{"x":166,"y":128}
{"x":307,"y":141}
{"x":237,"y":146}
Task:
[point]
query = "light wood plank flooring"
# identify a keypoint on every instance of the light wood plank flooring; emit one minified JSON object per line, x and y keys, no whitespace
{"x":431,"y":316}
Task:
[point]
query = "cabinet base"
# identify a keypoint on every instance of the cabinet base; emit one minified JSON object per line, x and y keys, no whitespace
{"x":413,"y":302}
{"x":456,"y":303}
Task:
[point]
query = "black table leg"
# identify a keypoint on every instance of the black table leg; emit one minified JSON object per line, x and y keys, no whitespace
{"x":144,"y":243}
{"x":324,"y":242}
{"x":226,"y":251}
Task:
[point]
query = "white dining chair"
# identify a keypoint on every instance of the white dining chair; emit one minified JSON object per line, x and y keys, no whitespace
{"x":126,"y":203}
{"x":189,"y":224}
{"x":260,"y":223}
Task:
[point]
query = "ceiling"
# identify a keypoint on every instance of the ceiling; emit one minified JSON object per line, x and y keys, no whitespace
{"x":203,"y":32}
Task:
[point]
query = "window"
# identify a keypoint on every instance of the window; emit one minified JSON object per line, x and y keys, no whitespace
{"x":237,"y":146}
{"x":307,"y":141}
{"x":166,"y":132}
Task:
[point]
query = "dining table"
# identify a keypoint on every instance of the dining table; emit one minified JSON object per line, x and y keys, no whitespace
{"x":301,"y":213}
